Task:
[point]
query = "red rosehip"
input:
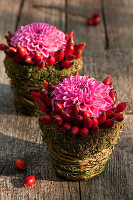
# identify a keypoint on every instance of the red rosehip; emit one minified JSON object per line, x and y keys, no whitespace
{"x":95,"y":130}
{"x":36,"y":96}
{"x":85,"y":113}
{"x":113,"y":95}
{"x":66,"y":64}
{"x":95,"y":15}
{"x":65,"y":116}
{"x":70,"y":33}
{"x":109,"y":123}
{"x":69,"y":49}
{"x":13,"y":50}
{"x":43,"y":106}
{"x":50,"y":87}
{"x":78,"y":54}
{"x":102,"y":118}
{"x":66,"y":127}
{"x":3,"y":47}
{"x":46,"y":120}
{"x":28,"y":59}
{"x":10,"y":34}
{"x":80,"y":46}
{"x":38,"y":56}
{"x":29,"y":181}
{"x":59,"y":55}
{"x":78,"y":119}
{"x":87,"y":123}
{"x":71,"y":40}
{"x":89,"y":21}
{"x":95,"y":121}
{"x":84,"y":131}
{"x":66,"y":36}
{"x":49,"y":98}
{"x":107,"y":80}
{"x":17,"y":58}
{"x":96,"y":20}
{"x":120,"y":107}
{"x":58,"y":107}
{"x":8,"y":53}
{"x":74,"y":130}
{"x":45,"y":84}
{"x":76,"y":109}
{"x":20,"y":164}
{"x":22,"y":51}
{"x":110,"y":113}
{"x":51,"y":60}
{"x":111,"y":85}
{"x":118,"y":117}
{"x":57,"y":120}
{"x":41,"y":64}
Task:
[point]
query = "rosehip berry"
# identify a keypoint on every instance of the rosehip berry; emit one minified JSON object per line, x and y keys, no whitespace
{"x":95,"y":130}
{"x":59,"y":55}
{"x":84,"y":132}
{"x":46,"y":120}
{"x":113,"y":96}
{"x":110,"y":113}
{"x":78,"y":119}
{"x":36,"y":96}
{"x":76,"y":109}
{"x":66,"y":64}
{"x":118,"y":117}
{"x":109,"y":123}
{"x":70,"y":33}
{"x":95,"y":15}
{"x":57,"y":120}
{"x":8,"y":53}
{"x":89,"y":21}
{"x":78,"y":54}
{"x":22,"y":51}
{"x":74,"y":130}
{"x":87,"y":123}
{"x":49,"y":98}
{"x":13,"y":51}
{"x":111,"y":85}
{"x":45,"y":84}
{"x":107,"y":80}
{"x":50,"y":87}
{"x":43,"y":106}
{"x":95,"y":121}
{"x":66,"y":127}
{"x":65,"y":116}
{"x":71,"y":40}
{"x":58,"y":107}
{"x":66,"y":36}
{"x":29,"y":181}
{"x":85,"y":113}
{"x":96,"y":20}
{"x":80,"y":46}
{"x":17,"y":58}
{"x":28,"y":59}
{"x":51,"y":60}
{"x":41,"y":64}
{"x":3,"y":47}
{"x":10,"y":34}
{"x":38,"y":56}
{"x":102,"y":118}
{"x":120,"y":107}
{"x":20,"y":164}
{"x":69,"y":49}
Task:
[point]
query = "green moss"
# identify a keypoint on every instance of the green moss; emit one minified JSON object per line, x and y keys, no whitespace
{"x":77,"y":157}
{"x":28,"y":78}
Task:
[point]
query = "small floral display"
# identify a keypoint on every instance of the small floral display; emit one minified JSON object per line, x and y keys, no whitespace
{"x":42,"y":44}
{"x":80,"y":105}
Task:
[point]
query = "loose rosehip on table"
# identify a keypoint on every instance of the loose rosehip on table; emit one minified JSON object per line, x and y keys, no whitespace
{"x":29,"y":181}
{"x":20,"y":164}
{"x":94,"y":20}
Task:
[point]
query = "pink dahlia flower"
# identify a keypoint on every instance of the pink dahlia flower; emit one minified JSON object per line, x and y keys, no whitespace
{"x":88,"y":93}
{"x":40,"y":37}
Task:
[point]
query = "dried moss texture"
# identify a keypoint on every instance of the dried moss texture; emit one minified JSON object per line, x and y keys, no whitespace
{"x":27,"y":78}
{"x":77,"y":157}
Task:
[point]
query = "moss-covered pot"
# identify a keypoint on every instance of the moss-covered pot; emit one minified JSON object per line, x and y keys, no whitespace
{"x":27,"y":78}
{"x":77,"y":157}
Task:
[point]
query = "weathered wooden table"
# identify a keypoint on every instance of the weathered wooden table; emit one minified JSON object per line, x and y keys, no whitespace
{"x":109,"y":51}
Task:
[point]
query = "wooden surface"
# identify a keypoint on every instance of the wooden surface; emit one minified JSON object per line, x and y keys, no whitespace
{"x":109,"y":51}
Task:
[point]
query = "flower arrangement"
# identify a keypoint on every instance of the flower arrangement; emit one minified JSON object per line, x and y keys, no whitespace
{"x":81,"y":123}
{"x":37,"y":52}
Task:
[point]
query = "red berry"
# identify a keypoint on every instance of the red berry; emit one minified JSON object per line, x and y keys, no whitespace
{"x":49,"y":98}
{"x":71,"y":40}
{"x":46,"y":120}
{"x":95,"y":130}
{"x":36,"y":96}
{"x":110,"y":113}
{"x":95,"y":15}
{"x":111,"y":85}
{"x":20,"y":164}
{"x":8,"y":53}
{"x":107,"y":80}
{"x":74,"y":130}
{"x":84,"y":131}
{"x":17,"y":58}
{"x":120,"y":107}
{"x":70,"y":33}
{"x":51,"y":60}
{"x":118,"y":117}
{"x":80,"y":46}
{"x":29,"y":181}
{"x":41,"y":64}
{"x":96,"y":20}
{"x":78,"y":119}
{"x":102,"y":118}
{"x":78,"y":54}
{"x":10,"y":34}
{"x":77,"y":74}
{"x":87,"y":123}
{"x":66,"y":127}
{"x":85,"y":113}
{"x":65,"y":116}
{"x":28,"y":59}
{"x":3,"y":47}
{"x":43,"y":106}
{"x":58,"y":107}
{"x":66,"y":36}
{"x":43,"y":94}
{"x":38,"y":56}
{"x":50,"y":87}
{"x":108,"y":123}
{"x":95,"y":121}
{"x":89,"y":21}
{"x":57,"y":120}
{"x":69,"y":49}
{"x":45,"y":84}
{"x":13,"y":50}
{"x":66,"y":64}
{"x":113,"y":96}
{"x":59,"y":55}
{"x":70,"y":57}
{"x":76,"y":109}
{"x":22,"y":51}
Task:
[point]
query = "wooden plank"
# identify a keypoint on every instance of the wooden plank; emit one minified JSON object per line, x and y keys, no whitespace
{"x":43,"y":11}
{"x":78,"y":12}
{"x":116,"y":182}
{"x":117,"y":64}
{"x":119,"y":23}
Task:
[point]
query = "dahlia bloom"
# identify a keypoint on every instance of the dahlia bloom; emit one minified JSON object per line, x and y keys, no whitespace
{"x":40,"y":37}
{"x":88,"y":93}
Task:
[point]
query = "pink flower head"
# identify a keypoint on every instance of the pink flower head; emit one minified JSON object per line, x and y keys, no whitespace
{"x":88,"y":93}
{"x":40,"y":37}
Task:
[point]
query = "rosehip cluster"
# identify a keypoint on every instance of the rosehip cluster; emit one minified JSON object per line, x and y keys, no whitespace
{"x":94,"y":20}
{"x":63,"y":56}
{"x":78,"y":121}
